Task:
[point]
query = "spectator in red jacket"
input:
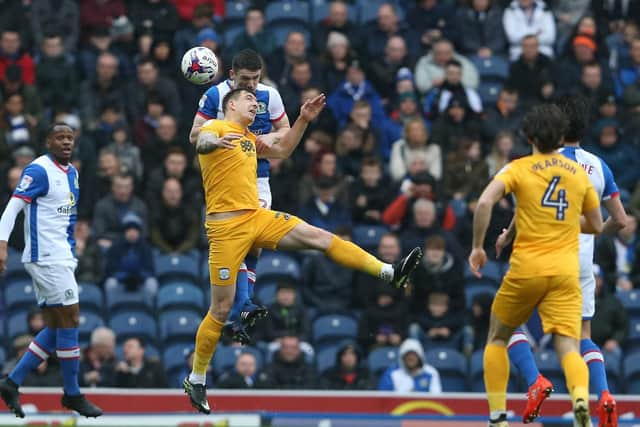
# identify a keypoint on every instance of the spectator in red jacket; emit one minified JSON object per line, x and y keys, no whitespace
{"x":11,"y":53}
{"x":185,"y":8}
{"x":99,"y":13}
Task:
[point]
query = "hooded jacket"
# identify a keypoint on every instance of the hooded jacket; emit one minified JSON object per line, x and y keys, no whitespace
{"x":337,"y":378}
{"x":398,"y":378}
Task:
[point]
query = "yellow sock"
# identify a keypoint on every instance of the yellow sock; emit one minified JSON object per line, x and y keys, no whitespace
{"x":354,"y":257}
{"x":206,"y":341}
{"x":496,"y":376}
{"x":577,"y":375}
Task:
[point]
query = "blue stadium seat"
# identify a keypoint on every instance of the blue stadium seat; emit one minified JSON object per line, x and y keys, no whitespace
{"x":15,"y":268}
{"x":180,"y":295}
{"x":19,"y":293}
{"x":281,"y":31}
{"x":472,"y":289}
{"x":495,"y":68}
{"x":326,"y":358}
{"x":174,"y":356}
{"x":331,"y":327}
{"x":172,"y":266}
{"x":320,"y":10}
{"x":489,"y":92}
{"x":380,"y":359}
{"x":492,"y":271}
{"x":368,"y":10}
{"x":134,"y":324}
{"x":476,"y":374}
{"x":17,"y":324}
{"x":225,"y":357}
{"x":630,"y":300}
{"x":368,"y":236}
{"x":613,"y":366}
{"x":3,"y":356}
{"x":178,"y":325}
{"x":89,"y":320}
{"x":287,"y":11}
{"x":273,"y":266}
{"x":631,"y":369}
{"x":452,"y":366}
{"x":633,"y":339}
{"x":265,"y":292}
{"x":204,"y":269}
{"x":121,"y":300}
{"x":90,"y":296}
{"x":550,"y":367}
{"x":234,"y":12}
{"x":231,"y":31}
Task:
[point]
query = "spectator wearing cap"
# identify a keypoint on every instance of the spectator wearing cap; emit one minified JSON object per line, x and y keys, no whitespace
{"x":430,"y":69}
{"x":530,"y":72}
{"x":327,"y":286}
{"x":415,"y":142}
{"x":406,"y":109}
{"x":11,"y":52}
{"x":337,"y":21}
{"x":456,"y":121}
{"x":348,"y":372}
{"x":98,"y":364}
{"x":572,"y":75}
{"x":157,"y":17}
{"x":432,"y":20}
{"x":254,"y":35}
{"x":383,"y":322}
{"x":384,"y":71}
{"x":610,"y":323}
{"x":324,"y":210}
{"x":336,"y":59}
{"x":287,"y":315}
{"x":526,"y":17}
{"x":210,"y":39}
{"x":127,"y":153}
{"x":99,"y":13}
{"x":244,"y":375}
{"x":111,"y":209}
{"x":149,"y":80}
{"x":480,"y":30}
{"x":370,"y":192}
{"x":58,"y":16}
{"x":586,"y":26}
{"x":437,"y":99}
{"x":504,"y":115}
{"x":355,"y":87}
{"x":55,"y":73}
{"x":387,"y":25}
{"x":629,"y":74}
{"x":137,"y":370}
{"x":129,"y":260}
{"x":199,"y":19}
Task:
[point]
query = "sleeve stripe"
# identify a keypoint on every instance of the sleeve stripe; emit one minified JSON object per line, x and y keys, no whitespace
{"x":203,"y":115}
{"x":277,"y":119}
{"x":612,"y":195}
{"x":25,"y":198}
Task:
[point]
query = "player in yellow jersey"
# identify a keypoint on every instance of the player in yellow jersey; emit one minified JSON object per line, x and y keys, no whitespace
{"x":236,"y":223}
{"x":552,"y":193}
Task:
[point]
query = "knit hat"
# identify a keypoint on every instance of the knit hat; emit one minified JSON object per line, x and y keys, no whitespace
{"x":131,"y":220}
{"x":585,"y":41}
{"x":207,"y":34}
{"x":404,"y":73}
{"x":121,"y":26}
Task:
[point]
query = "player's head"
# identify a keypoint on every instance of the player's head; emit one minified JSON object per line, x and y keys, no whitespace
{"x":240,"y":104}
{"x":544,"y":127}
{"x":576,"y":110}
{"x":60,"y":140}
{"x":246,"y":69}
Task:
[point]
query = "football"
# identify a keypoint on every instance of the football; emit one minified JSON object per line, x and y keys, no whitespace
{"x":200,"y":65}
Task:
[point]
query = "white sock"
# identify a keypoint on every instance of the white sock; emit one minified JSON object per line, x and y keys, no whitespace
{"x":386,"y":273}
{"x":495,"y":415}
{"x":197,"y":378}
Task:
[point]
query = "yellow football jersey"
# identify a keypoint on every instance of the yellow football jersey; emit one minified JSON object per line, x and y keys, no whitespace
{"x":229,"y":175}
{"x":551,"y":194}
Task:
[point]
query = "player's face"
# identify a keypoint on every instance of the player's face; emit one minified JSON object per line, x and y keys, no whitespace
{"x":60,"y":144}
{"x":247,"y":106}
{"x":246,"y":79}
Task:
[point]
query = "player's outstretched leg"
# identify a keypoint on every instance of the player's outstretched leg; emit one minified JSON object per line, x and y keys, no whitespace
{"x":592,"y":356}
{"x":539,"y":387}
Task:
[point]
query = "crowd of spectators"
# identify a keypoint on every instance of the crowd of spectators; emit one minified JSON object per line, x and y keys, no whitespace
{"x":424,"y":102}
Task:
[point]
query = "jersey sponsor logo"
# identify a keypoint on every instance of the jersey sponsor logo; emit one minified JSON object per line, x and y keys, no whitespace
{"x":262,"y":108}
{"x":24,"y":184}
{"x":202,"y":101}
{"x":70,"y":207}
{"x":224,"y":274}
{"x":247,"y":146}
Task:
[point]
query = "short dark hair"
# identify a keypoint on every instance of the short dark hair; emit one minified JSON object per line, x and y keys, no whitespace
{"x":52,"y":128}
{"x":510,"y":90}
{"x":233,"y":94}
{"x":371,"y":161}
{"x":246,"y":59}
{"x":253,"y":8}
{"x":147,"y":60}
{"x":453,"y":63}
{"x":576,"y":109}
{"x":544,"y":127}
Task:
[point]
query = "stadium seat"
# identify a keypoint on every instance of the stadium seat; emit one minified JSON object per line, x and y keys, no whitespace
{"x":368,"y":10}
{"x":631,"y":369}
{"x":89,"y":320}
{"x":550,"y":367}
{"x":476,"y":374}
{"x":174,"y":356}
{"x":613,"y":365}
{"x":204,"y":269}
{"x":231,"y":31}
{"x":287,"y":11}
{"x":180,"y":295}
{"x":633,"y":339}
{"x":225,"y":358}
{"x":631,"y":301}
{"x":492,"y":271}
{"x":17,"y":324}
{"x":320,"y":10}
{"x":472,"y":289}
{"x":3,"y":356}
{"x":134,"y":324}
{"x":452,"y":367}
{"x":281,"y":31}
{"x":235,"y":12}
{"x":15,"y":268}
{"x":19,"y":294}
{"x":273,"y":266}
{"x":265,"y":292}
{"x":172,"y":266}
{"x":489,"y":92}
{"x":121,"y":300}
{"x":326,"y":358}
{"x":495,"y":68}
{"x":368,"y":236}
{"x":178,"y":325}
{"x":90,"y":296}
{"x":331,"y":327}
{"x":380,"y":359}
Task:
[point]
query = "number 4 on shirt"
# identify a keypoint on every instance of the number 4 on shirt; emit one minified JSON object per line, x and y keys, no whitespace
{"x":560,"y":203}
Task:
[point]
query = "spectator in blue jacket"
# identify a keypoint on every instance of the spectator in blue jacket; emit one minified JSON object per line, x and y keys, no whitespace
{"x":324,"y":210}
{"x":129,"y":260}
{"x":631,"y":73}
{"x":411,"y":373}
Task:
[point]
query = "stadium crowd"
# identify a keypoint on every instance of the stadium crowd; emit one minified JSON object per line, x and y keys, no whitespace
{"x":425,"y":99}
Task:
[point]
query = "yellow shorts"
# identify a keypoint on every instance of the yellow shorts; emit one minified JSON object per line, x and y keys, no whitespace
{"x":231,"y":239}
{"x":558,"y":298}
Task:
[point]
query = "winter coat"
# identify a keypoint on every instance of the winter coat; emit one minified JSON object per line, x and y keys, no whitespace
{"x":398,"y":379}
{"x":285,"y":375}
{"x":341,"y":102}
{"x":517,"y":25}
{"x":447,"y":278}
{"x":427,"y":71}
{"x":476,"y":30}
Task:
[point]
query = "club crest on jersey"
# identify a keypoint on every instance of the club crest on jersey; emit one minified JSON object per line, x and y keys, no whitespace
{"x":224,"y":273}
{"x":262,"y":108}
{"x":25,"y":182}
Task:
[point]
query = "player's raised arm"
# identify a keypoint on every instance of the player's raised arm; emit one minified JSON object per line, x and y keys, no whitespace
{"x":490,"y":196}
{"x":198,"y":121}
{"x":282,"y":147}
